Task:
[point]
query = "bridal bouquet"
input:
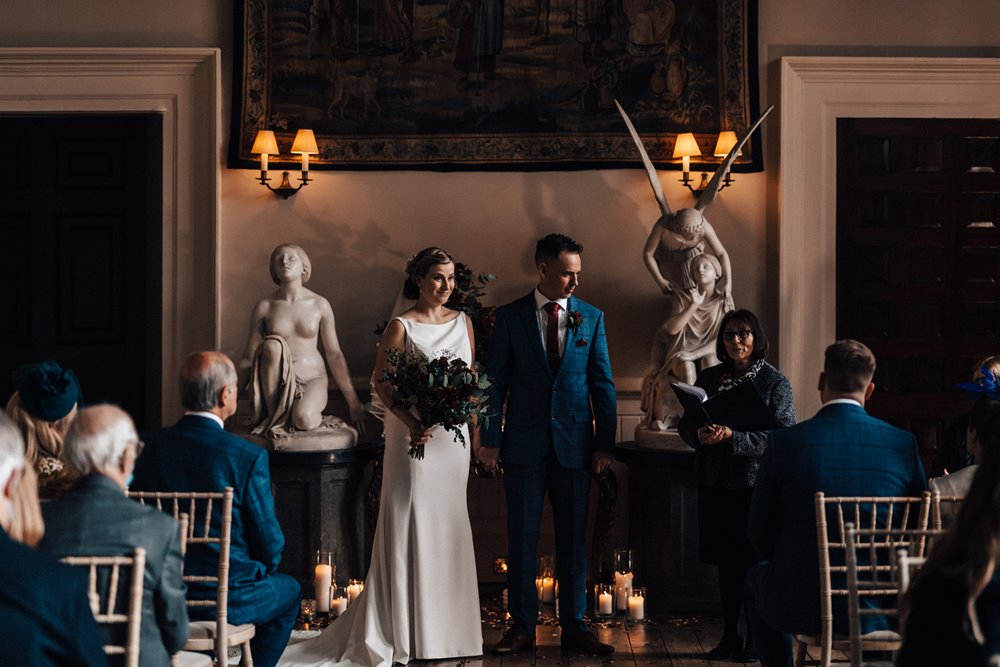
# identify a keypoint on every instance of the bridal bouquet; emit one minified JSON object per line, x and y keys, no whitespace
{"x":444,"y":391}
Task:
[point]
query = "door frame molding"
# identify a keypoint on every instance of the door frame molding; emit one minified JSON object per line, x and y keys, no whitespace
{"x":815,"y":92}
{"x":184,"y":87}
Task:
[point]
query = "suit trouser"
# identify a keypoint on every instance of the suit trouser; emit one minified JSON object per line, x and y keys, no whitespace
{"x":271,"y":604}
{"x":774,"y":648}
{"x":569,"y":492}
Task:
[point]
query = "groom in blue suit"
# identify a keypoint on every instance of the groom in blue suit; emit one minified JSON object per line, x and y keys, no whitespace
{"x":842,"y":451}
{"x":548,"y":359}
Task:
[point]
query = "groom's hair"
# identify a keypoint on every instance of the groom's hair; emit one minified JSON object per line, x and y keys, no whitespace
{"x":549,"y":248}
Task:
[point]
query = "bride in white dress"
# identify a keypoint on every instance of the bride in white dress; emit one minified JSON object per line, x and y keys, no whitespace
{"x":421,"y":596}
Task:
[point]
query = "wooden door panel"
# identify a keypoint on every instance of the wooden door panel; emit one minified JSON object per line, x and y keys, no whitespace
{"x":84,"y":219}
{"x":918,"y":256}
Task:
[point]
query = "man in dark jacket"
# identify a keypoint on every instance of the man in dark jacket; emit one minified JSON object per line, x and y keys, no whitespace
{"x":95,"y":518}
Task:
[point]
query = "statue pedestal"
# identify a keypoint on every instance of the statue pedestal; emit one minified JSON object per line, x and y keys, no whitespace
{"x":332,"y":435}
{"x":663,"y":523}
{"x":327,"y":501}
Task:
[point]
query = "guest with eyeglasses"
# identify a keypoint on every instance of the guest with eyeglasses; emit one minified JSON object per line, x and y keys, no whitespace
{"x":96,"y":518}
{"x":726,"y":463}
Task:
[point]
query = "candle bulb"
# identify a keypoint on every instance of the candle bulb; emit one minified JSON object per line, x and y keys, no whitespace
{"x":686,"y":164}
{"x":263,"y":164}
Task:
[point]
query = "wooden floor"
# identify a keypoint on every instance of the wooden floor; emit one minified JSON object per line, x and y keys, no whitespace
{"x":672,"y":641}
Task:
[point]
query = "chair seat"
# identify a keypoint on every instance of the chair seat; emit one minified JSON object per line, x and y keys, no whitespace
{"x":202,"y":635}
{"x":188,"y":659}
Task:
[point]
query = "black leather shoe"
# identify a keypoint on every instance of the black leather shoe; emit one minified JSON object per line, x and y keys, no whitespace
{"x":513,"y":641}
{"x":586,"y":642}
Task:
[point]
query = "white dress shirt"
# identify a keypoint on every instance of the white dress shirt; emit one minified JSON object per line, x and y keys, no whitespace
{"x":543,"y":319}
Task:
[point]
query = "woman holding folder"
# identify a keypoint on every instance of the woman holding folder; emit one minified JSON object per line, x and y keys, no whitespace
{"x":728,"y":451}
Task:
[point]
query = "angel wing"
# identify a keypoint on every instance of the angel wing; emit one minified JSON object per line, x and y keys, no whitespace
{"x":654,"y":180}
{"x":708,"y":195}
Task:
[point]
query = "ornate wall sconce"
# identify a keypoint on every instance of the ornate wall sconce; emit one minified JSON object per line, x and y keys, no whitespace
{"x":687,"y":147}
{"x":265,"y":145}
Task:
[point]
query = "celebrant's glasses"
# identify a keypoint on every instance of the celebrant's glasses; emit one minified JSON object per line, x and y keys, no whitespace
{"x":742,"y":334}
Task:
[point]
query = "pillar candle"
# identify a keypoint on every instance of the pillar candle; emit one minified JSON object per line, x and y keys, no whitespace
{"x":636,"y":607}
{"x":623,"y":587}
{"x":338,"y":606}
{"x":604,"y":604}
{"x":321,"y":582}
{"x":353,"y":591}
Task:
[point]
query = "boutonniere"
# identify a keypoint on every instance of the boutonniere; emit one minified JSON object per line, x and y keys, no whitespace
{"x":575,"y":319}
{"x":582,"y":342}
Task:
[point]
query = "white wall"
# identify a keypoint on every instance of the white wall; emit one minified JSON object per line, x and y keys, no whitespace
{"x":360,"y":226}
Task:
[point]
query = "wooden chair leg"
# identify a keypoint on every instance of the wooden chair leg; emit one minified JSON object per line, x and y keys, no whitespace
{"x":799,"y":653}
{"x":246,"y":658}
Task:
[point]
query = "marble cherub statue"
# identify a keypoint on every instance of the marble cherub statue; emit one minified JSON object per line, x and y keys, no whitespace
{"x":700,"y":289}
{"x":291,"y":350}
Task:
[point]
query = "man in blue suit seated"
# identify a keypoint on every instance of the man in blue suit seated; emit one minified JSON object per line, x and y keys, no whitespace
{"x":197,"y":454}
{"x":548,"y":359}
{"x":95,"y":518}
{"x":45,"y":617}
{"x":842,"y":451}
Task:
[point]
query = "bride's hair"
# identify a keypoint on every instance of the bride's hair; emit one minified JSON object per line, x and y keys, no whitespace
{"x":419,"y":265}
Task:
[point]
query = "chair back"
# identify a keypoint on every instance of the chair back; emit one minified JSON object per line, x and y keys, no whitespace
{"x":104,"y":581}
{"x":883,"y":573}
{"x":944,"y":509}
{"x":869,"y":513}
{"x":199,"y":505}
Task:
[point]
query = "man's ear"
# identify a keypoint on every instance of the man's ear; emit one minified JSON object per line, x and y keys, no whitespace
{"x":869,"y":390}
{"x":822,"y":381}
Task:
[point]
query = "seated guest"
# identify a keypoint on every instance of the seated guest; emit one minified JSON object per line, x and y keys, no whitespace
{"x":197,"y":454}
{"x":951,"y":613}
{"x":43,"y":407}
{"x":984,"y":427}
{"x":45,"y":617}
{"x":953,"y":451}
{"x":95,"y":518}
{"x":842,"y":451}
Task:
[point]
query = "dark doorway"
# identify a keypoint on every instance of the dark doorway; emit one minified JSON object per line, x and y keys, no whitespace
{"x":918,"y":260}
{"x":82,"y":231}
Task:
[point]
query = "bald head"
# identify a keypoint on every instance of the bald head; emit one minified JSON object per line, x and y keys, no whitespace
{"x":204,"y":378}
{"x":100,"y":440}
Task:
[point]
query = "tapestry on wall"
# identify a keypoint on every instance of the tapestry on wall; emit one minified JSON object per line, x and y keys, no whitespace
{"x":498,"y":84}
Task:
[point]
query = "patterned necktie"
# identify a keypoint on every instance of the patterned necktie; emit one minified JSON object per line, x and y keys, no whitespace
{"x":552,"y":335}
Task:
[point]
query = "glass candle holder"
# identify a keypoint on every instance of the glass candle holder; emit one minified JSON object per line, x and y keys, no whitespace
{"x":307,"y":610}
{"x":338,"y":602}
{"x":546,"y":588}
{"x":604,"y":605}
{"x":354,"y":588}
{"x":622,"y":560}
{"x":637,"y":604}
{"x":322,"y":579}
{"x":546,"y":566}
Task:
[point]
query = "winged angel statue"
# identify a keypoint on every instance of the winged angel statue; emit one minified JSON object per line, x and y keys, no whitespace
{"x":690,"y":265}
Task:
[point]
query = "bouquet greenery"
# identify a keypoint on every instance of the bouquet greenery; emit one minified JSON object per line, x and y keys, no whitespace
{"x":444,"y":391}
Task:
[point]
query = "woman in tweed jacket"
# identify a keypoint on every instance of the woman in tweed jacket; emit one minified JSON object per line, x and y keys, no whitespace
{"x":727,"y":462}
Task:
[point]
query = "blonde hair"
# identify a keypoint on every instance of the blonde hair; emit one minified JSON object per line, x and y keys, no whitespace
{"x":27,"y":526}
{"x":41,"y":438}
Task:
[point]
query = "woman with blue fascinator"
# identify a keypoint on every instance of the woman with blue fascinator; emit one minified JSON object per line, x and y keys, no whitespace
{"x":952,"y":453}
{"x":43,"y":407}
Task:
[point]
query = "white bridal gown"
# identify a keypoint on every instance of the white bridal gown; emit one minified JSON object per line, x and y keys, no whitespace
{"x":421,"y":597}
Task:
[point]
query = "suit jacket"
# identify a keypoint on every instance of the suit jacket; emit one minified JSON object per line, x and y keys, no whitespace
{"x":842,"y":451}
{"x":95,"y":518}
{"x":197,"y":454}
{"x":45,"y":617}
{"x":542,"y":406}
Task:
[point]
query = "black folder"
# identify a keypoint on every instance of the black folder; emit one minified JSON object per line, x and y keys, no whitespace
{"x":740,"y":408}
